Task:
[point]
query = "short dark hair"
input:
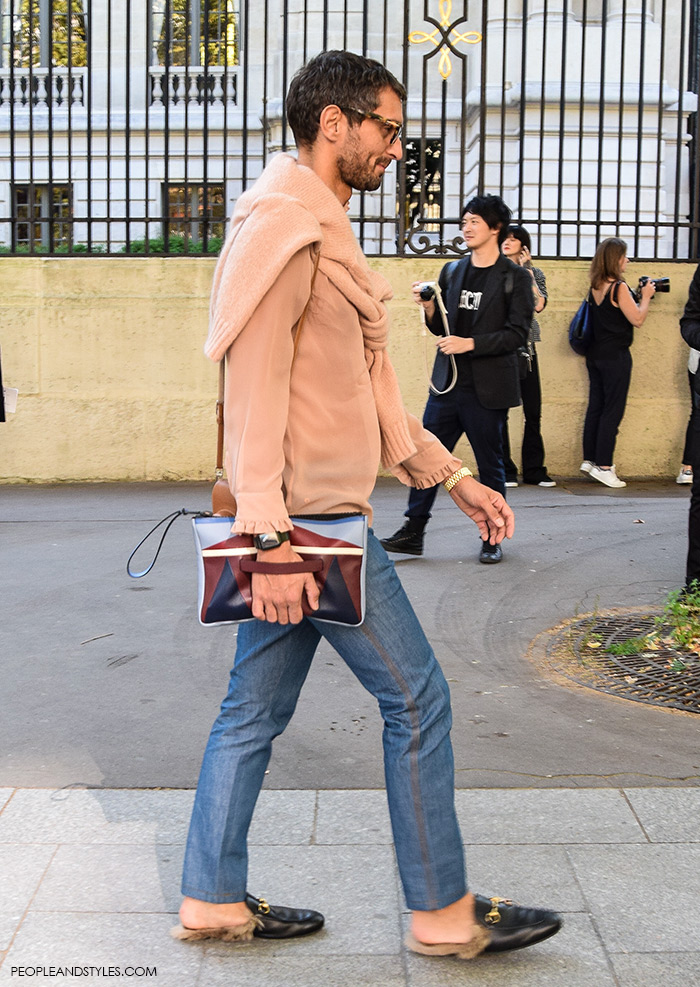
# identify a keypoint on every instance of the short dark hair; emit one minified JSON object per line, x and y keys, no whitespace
{"x":520,"y":233}
{"x":339,"y":78}
{"x":493,"y":211}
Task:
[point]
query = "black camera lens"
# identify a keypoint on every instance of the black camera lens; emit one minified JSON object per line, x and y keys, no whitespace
{"x":662,"y":284}
{"x":427,"y":292}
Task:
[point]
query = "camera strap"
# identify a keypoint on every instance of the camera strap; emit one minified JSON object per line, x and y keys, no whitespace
{"x":446,"y":331}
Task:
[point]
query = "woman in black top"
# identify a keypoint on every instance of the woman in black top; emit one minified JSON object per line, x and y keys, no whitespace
{"x":615,"y":313}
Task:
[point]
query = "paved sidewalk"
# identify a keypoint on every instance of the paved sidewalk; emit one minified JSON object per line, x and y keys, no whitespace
{"x":567,"y":798}
{"x":90,"y":878}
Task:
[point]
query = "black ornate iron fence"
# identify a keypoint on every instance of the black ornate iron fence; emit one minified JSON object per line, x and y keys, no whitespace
{"x":131,"y":126}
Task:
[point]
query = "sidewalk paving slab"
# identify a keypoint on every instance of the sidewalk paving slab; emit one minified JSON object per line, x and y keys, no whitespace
{"x":92,"y":880}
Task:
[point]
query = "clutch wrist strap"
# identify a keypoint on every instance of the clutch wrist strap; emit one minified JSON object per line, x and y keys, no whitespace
{"x":454,"y":479}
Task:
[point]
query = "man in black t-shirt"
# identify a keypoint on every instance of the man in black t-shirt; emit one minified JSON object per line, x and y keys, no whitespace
{"x":476,"y":376}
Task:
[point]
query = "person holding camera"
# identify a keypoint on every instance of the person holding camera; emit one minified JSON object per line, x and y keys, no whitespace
{"x":488,"y":309}
{"x":615,"y":312}
{"x":517,"y":246}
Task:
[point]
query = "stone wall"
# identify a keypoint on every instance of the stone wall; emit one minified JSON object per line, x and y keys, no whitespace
{"x":107,"y":356}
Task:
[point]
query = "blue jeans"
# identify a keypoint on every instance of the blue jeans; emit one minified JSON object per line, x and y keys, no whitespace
{"x":449,"y":415}
{"x":392,"y":658}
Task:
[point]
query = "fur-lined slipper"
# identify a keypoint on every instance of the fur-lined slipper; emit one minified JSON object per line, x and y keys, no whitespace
{"x":462,"y":950}
{"x":235,"y":933}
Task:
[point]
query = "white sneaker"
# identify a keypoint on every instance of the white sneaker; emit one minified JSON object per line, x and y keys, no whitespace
{"x":585,"y":466}
{"x":608,"y":477}
{"x":511,"y":483}
{"x":685,"y":475}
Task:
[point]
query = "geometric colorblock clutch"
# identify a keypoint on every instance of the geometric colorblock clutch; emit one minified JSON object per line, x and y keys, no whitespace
{"x":332,"y":546}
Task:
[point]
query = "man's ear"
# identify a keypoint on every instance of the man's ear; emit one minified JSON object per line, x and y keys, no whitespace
{"x":331,"y":122}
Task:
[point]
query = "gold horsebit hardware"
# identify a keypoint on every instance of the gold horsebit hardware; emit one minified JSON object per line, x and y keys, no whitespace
{"x":263,"y":907}
{"x":494,"y":915}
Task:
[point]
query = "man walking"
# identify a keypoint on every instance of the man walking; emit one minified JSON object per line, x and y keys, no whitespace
{"x":304,"y":435}
{"x":476,"y":376}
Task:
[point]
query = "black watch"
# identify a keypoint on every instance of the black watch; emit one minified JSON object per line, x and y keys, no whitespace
{"x":270,"y":539}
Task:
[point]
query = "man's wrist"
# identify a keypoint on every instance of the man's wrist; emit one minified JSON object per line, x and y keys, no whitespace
{"x":455,"y":477}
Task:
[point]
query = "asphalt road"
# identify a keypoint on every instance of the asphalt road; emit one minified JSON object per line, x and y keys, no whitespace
{"x":111,"y":682}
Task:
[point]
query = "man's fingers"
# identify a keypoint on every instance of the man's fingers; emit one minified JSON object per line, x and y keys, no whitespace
{"x":312,"y":591}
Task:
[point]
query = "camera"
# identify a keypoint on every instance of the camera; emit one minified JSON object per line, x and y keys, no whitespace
{"x":662,"y":285}
{"x":427,"y":291}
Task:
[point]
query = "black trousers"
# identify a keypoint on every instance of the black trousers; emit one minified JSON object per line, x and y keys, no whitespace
{"x":609,"y":383}
{"x":692,"y":568}
{"x":688,"y":447}
{"x":532,"y":452}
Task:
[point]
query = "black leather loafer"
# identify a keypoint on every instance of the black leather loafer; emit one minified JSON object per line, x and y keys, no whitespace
{"x":490,"y":554}
{"x":511,"y":926}
{"x":278,"y":922}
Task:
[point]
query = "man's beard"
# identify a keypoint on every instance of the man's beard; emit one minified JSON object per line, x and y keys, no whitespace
{"x":359,"y":174}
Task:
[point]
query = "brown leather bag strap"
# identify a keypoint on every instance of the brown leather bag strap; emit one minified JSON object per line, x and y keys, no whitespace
{"x":222,"y":378}
{"x":220,"y":421}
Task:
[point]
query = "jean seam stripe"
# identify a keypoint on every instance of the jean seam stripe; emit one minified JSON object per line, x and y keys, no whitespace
{"x":414,"y":748}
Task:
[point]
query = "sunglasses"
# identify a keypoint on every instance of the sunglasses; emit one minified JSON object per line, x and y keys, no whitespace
{"x":391,"y":125}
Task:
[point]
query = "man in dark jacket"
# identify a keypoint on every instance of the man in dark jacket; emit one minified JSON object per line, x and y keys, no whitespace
{"x":690,"y":331}
{"x":476,"y":376}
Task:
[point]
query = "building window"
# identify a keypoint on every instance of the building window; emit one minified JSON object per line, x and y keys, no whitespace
{"x":42,"y":216}
{"x":43,"y":33}
{"x":194,"y":32}
{"x":194,"y":212}
{"x":423,"y":183}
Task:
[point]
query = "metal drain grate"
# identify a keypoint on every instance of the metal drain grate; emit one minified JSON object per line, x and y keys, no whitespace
{"x":662,"y":675}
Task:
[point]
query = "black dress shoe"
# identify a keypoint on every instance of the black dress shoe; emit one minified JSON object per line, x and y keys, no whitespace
{"x":278,"y":922}
{"x":408,"y":540}
{"x":511,"y":926}
{"x":490,"y":554}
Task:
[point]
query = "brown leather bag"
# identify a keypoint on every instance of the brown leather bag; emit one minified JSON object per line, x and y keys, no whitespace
{"x":223,"y":503}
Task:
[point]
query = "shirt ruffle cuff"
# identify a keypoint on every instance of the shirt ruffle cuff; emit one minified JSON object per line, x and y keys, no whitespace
{"x":421,"y":480}
{"x":252,"y":506}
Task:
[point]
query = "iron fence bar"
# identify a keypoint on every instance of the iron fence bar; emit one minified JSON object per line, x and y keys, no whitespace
{"x":483,"y":89}
{"x":401,"y":213}
{"x":462,"y":143}
{"x":89,"y":60}
{"x":601,"y":122}
{"x":620,"y":121}
{"x":582,"y":76}
{"x":543,"y":84}
{"x":285,"y":73}
{"x":682,"y":69}
{"x":693,"y":83}
{"x":108,"y":162}
{"x":147,"y":83}
{"x":562,"y":118}
{"x":31,"y":227}
{"x":265,"y":123}
{"x":13,"y":184}
{"x":69,"y":135}
{"x":205,"y":134}
{"x":45,"y":55}
{"x":167,"y":59}
{"x":127,"y":124}
{"x":502,"y":135}
{"x":187,"y":193}
{"x":522,"y":105}
{"x":640,"y":121}
{"x":659,"y":124}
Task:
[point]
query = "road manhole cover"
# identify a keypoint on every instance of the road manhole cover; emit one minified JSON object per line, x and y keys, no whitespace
{"x":630,"y":656}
